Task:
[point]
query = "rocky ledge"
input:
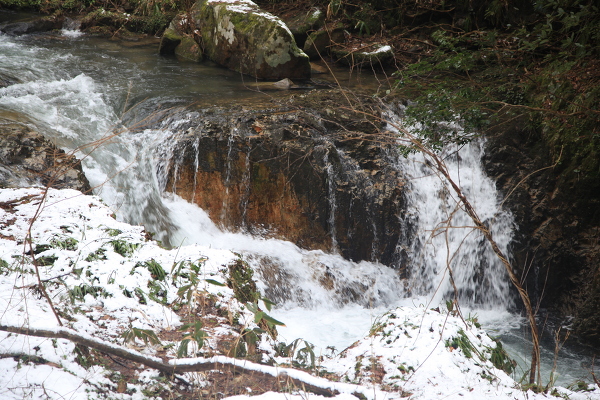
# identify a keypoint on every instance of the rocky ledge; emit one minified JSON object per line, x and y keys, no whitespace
{"x":29,"y":159}
{"x":322,"y":180}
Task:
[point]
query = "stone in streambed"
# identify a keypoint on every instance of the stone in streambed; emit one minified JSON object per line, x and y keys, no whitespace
{"x":188,"y":49}
{"x":318,"y":43}
{"x":169,"y":41}
{"x":302,"y":23}
{"x":240,"y":36}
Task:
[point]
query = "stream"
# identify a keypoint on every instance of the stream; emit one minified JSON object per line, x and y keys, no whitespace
{"x":83,"y":90}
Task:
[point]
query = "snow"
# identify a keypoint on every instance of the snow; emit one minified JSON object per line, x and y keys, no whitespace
{"x":408,"y":351}
{"x":247,"y":6}
{"x":380,"y":50}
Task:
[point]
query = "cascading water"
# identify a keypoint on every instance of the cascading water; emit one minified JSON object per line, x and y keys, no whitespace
{"x":446,"y":239}
{"x":332,"y":202}
{"x":76,"y":91}
{"x":228,"y":169}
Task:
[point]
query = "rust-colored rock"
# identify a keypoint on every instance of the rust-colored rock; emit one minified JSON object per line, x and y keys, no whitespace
{"x":284,"y":174}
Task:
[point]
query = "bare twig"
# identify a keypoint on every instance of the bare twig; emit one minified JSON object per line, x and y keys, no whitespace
{"x":440,"y":166}
{"x":29,"y":242}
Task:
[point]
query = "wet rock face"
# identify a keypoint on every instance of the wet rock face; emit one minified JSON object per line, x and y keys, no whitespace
{"x":242,"y":37}
{"x":27,"y":158}
{"x":283,"y":173}
{"x":33,"y":25}
{"x":556,"y":245}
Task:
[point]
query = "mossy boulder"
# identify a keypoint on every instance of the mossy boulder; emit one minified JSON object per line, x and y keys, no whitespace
{"x":169,"y":41}
{"x":304,"y":22}
{"x":242,"y":37}
{"x":188,"y":49}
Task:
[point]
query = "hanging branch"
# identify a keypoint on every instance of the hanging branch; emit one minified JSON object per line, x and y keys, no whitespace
{"x":440,"y":166}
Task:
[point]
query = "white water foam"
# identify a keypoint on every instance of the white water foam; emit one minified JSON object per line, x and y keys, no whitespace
{"x":446,"y":241}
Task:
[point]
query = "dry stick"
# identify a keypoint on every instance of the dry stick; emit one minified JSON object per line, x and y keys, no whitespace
{"x":596,"y":380}
{"x":29,"y":241}
{"x":156,"y":363}
{"x":532,"y":173}
{"x":441,"y":167}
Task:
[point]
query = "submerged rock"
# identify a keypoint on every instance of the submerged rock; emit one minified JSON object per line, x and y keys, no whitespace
{"x":28,"y":159}
{"x":33,"y":25}
{"x":242,"y":37}
{"x":7,"y":80}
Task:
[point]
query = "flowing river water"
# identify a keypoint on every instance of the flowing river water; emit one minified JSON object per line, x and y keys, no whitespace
{"x":81,"y":90}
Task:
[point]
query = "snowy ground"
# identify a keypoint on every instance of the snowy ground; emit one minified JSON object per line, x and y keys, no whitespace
{"x":107,"y":282}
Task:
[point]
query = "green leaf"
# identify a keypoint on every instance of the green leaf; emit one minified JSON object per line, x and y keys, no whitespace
{"x":183,"y":289}
{"x":268,"y":303}
{"x":182,"y":351}
{"x":253,"y":308}
{"x":272,"y":320}
{"x":213,"y":282}
{"x":259,"y":316}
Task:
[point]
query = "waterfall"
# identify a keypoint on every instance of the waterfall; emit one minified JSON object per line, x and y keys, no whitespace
{"x":331,"y":194}
{"x":446,"y":241}
{"x":128,"y":169}
{"x":245,"y":191}
{"x":446,"y":238}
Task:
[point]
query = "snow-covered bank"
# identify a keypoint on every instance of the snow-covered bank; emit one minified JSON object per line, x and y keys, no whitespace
{"x":106,"y":278}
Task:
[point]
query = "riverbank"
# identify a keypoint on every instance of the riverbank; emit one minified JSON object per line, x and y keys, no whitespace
{"x":131,"y":311}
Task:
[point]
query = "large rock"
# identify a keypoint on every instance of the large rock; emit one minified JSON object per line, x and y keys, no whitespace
{"x":291,"y":174}
{"x":242,"y":37}
{"x":302,"y":22}
{"x":29,"y":159}
{"x":318,"y":43}
{"x":169,"y":41}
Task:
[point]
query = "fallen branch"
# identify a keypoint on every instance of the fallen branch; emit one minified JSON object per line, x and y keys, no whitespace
{"x":300,"y":379}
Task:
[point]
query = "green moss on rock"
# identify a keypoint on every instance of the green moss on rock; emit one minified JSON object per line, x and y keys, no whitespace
{"x":242,"y":37}
{"x":189,"y":49}
{"x":169,"y":41}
